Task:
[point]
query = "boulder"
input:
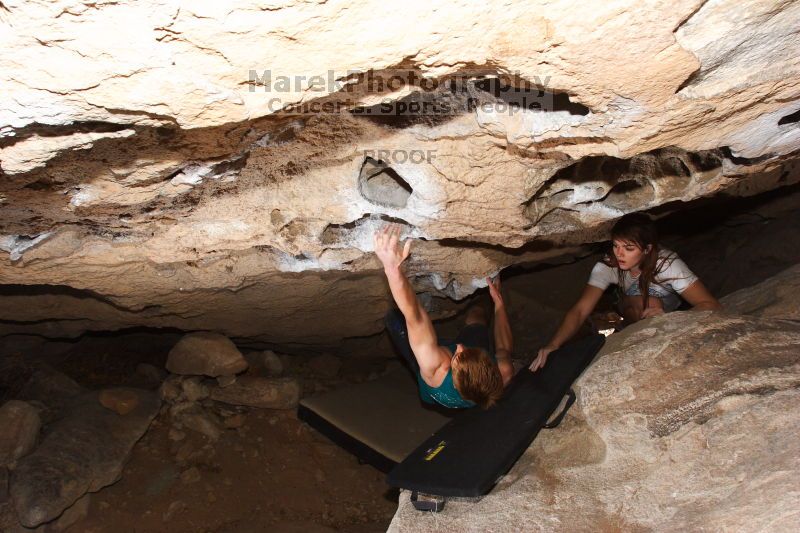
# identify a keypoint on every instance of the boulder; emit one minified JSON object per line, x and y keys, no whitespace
{"x":73,"y":514}
{"x":177,"y":408}
{"x":175,"y":508}
{"x":171,"y":389}
{"x":202,"y":422}
{"x":303,"y":526}
{"x":84,"y":450}
{"x":685,"y":422}
{"x":225,"y":381}
{"x":774,"y":297}
{"x":268,"y":393}
{"x":120,"y":400}
{"x":194,"y":390}
{"x":272,"y":363}
{"x":266,"y":361}
{"x":20,"y":425}
{"x":70,"y":516}
{"x":205,"y":353}
{"x":190,"y":475}
{"x":49,"y":386}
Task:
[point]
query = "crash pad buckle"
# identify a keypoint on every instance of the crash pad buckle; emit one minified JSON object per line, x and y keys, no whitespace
{"x":427,"y":502}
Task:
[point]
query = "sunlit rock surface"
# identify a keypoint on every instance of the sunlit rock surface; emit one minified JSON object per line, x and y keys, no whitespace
{"x":157,"y":170}
{"x":685,"y":422}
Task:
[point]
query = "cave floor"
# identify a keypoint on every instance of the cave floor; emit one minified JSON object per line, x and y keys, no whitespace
{"x":272,"y":474}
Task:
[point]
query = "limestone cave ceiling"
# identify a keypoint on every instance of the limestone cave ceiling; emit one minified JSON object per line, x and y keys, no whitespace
{"x":224,"y":165}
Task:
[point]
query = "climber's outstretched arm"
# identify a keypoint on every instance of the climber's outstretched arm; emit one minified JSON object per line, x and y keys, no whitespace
{"x":421,"y":335}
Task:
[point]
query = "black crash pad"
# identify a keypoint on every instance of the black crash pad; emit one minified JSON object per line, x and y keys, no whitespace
{"x":466,"y":457}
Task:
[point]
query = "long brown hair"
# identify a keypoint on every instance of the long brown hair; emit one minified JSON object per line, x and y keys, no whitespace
{"x":477,"y":377}
{"x":639,"y":229}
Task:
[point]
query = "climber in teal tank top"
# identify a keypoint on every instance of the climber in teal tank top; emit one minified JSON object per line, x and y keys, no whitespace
{"x":471,"y":370}
{"x":446,"y":394}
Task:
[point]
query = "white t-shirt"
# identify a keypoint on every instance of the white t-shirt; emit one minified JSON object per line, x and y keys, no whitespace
{"x":672,"y":278}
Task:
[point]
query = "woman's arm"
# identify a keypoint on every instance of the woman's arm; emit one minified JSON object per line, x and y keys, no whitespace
{"x":571,"y":323}
{"x":421,"y":335}
{"x":503,"y":338}
{"x":700,"y":298}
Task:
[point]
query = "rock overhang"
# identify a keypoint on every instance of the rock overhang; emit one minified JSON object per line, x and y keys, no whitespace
{"x":195,"y":208}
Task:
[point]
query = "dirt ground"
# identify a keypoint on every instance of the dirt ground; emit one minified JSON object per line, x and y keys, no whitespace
{"x":272,"y":473}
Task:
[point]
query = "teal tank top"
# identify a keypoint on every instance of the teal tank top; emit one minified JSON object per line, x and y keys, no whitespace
{"x":445,"y":394}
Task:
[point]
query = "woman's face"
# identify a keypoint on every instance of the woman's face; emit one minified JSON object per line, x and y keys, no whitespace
{"x":629,"y":254}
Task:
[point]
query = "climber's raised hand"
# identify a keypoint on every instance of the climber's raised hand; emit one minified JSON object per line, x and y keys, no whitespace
{"x":387,"y":247}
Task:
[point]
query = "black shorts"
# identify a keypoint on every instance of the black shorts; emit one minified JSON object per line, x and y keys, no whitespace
{"x":471,"y":336}
{"x":474,"y":336}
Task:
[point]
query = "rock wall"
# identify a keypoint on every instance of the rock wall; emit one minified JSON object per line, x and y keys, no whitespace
{"x":685,"y":422}
{"x":158,"y":170}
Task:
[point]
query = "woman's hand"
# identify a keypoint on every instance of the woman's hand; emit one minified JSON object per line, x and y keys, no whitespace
{"x":494,"y":291}
{"x":541,"y":358}
{"x":652,"y":311}
{"x":387,"y":247}
{"x":654,"y":307}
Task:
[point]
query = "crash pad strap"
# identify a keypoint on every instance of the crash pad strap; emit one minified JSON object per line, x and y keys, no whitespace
{"x":467,"y":456}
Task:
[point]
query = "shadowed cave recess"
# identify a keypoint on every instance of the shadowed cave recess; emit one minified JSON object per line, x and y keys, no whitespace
{"x":187,"y":214}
